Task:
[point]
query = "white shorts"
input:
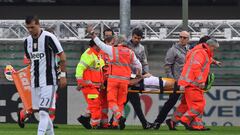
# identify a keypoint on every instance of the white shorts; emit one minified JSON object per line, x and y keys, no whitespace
{"x":152,"y":83}
{"x":44,"y":97}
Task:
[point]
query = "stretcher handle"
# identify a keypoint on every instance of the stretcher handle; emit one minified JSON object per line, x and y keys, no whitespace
{"x":156,"y":92}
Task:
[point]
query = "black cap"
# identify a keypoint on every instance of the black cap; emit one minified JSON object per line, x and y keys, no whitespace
{"x":204,"y":39}
{"x":91,"y":43}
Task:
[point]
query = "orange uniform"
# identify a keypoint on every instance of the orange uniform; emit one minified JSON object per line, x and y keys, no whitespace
{"x":89,"y":76}
{"x":119,"y":74}
{"x":103,"y":92}
{"x":118,"y":80}
{"x":195,"y":72}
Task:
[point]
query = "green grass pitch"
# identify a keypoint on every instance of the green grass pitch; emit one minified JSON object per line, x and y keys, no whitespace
{"x":31,"y":129}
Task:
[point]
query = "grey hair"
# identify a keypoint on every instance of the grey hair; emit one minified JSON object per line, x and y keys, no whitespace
{"x":121,"y":39}
{"x":212,"y":42}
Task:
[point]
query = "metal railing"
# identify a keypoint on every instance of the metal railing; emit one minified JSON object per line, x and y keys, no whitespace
{"x":154,"y":30}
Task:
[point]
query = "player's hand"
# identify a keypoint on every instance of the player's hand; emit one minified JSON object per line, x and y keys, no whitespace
{"x":63,"y":82}
{"x":91,"y":32}
{"x":89,"y":29}
{"x":147,"y":75}
{"x":138,"y":73}
{"x":218,"y":63}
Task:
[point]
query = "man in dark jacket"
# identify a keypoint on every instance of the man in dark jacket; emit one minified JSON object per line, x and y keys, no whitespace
{"x":174,"y":62}
{"x":140,"y":53}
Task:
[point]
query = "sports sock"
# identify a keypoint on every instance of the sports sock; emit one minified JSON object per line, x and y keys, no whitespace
{"x":43,"y":122}
{"x":50,"y":130}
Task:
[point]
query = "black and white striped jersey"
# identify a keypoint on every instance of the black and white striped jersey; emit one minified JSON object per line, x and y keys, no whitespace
{"x":42,"y":53}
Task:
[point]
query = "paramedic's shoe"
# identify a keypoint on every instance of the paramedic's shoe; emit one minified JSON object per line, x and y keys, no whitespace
{"x":122,"y":121}
{"x":85,"y":121}
{"x":171,"y":124}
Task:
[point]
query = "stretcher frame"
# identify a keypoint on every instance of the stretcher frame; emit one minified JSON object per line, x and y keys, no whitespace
{"x":156,"y":92}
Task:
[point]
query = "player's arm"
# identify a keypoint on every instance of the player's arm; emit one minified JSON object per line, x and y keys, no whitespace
{"x":26,"y":59}
{"x":62,"y":61}
{"x":56,"y":47}
{"x":62,"y":64}
{"x":104,"y":47}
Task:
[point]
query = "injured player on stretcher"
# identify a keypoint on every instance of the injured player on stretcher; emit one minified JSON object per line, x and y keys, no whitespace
{"x":159,"y":85}
{"x":153,"y":84}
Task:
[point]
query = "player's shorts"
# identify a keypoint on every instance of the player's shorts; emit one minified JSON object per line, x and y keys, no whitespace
{"x":44,"y":97}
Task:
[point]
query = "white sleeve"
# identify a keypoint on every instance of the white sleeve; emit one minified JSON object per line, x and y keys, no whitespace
{"x":106,"y":48}
{"x":55,"y":44}
{"x":136,"y":63}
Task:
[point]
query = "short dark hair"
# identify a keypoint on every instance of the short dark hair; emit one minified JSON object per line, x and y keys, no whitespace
{"x":108,"y":29}
{"x":91,"y":43}
{"x":204,"y":39}
{"x":29,"y":19}
{"x":137,"y":32}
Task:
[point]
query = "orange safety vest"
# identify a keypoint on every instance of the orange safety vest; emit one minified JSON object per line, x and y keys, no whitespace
{"x":92,"y":73}
{"x":120,"y":69}
{"x":197,"y":66}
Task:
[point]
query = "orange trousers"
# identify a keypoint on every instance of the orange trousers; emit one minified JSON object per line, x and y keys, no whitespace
{"x":191,"y":108}
{"x":92,"y":98}
{"x":117,"y":96}
{"x":104,"y":108}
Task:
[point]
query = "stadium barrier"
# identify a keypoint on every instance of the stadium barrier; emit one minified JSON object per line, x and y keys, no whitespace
{"x":222,"y":107}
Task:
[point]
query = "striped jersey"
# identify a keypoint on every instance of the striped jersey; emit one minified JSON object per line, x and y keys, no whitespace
{"x":42,"y":54}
